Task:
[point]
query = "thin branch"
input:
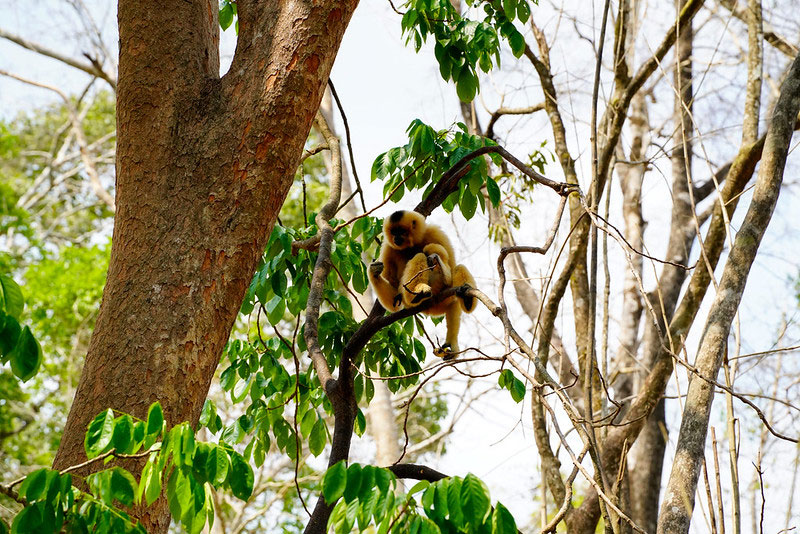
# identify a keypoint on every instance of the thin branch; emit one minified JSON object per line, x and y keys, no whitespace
{"x":499,"y":112}
{"x":349,"y":144}
{"x":80,"y":137}
{"x":92,"y":67}
{"x":779,"y":42}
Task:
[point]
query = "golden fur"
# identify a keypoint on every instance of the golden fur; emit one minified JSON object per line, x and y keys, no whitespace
{"x":417,"y":262}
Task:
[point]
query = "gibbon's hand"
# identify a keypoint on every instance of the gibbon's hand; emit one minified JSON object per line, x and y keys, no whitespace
{"x":376,"y":268}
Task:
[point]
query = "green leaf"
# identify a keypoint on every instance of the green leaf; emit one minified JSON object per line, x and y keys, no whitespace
{"x":468,"y":203}
{"x":123,"y":433}
{"x":334,"y":482}
{"x":454,"y":501}
{"x":517,"y":390}
{"x":207,"y":413}
{"x":493,"y":190}
{"x":510,"y":7}
{"x":26,"y":356}
{"x":278,"y":282}
{"x":9,"y":335}
{"x":241,"y":478}
{"x":99,"y":434}
{"x":155,"y":419}
{"x":28,"y":520}
{"x":474,"y":500}
{"x":361,"y":424}
{"x":217,"y":465}
{"x":502,"y":378}
{"x":523,"y":11}
{"x":383,"y":479}
{"x":318,"y":438}
{"x":359,"y":227}
{"x":153,"y":485}
{"x":179,"y":493}
{"x":502,"y":521}
{"x":226,"y":16}
{"x":275,"y":309}
{"x":34,"y":484}
{"x":353,"y":482}
{"x":466,"y":85}
{"x":517,"y":43}
{"x":11,"y":296}
{"x":123,"y":486}
{"x":419,"y":486}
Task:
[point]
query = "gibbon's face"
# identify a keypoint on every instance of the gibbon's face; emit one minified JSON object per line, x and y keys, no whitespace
{"x":402,"y":229}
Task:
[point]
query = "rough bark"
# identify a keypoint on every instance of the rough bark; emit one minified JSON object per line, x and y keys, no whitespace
{"x":676,"y":511}
{"x":203,"y":166}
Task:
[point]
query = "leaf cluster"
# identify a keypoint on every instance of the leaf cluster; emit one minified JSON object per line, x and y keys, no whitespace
{"x":179,"y":466}
{"x":515,"y":386}
{"x":420,"y":163}
{"x":18,"y":346}
{"x":463,"y":45}
{"x":227,"y":13}
{"x":366,"y":496}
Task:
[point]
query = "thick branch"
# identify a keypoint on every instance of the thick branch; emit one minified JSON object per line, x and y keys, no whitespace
{"x":449,"y":180}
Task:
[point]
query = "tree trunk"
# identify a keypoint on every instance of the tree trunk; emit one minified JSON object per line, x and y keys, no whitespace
{"x":203,"y":166}
{"x":649,"y":449}
{"x":676,"y":510}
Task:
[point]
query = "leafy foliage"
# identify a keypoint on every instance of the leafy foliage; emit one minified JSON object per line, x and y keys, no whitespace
{"x":227,"y":14}
{"x":179,"y":466}
{"x":18,"y":347}
{"x":45,"y":195}
{"x":420,"y":163}
{"x":366,"y":496}
{"x":265,"y":371}
{"x":462,"y":45}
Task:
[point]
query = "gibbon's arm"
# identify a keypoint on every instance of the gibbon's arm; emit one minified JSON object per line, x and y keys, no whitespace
{"x":461,"y":277}
{"x":386,"y":293}
{"x":436,"y":236}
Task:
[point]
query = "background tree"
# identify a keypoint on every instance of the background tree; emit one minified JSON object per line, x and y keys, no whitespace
{"x":606,"y":400}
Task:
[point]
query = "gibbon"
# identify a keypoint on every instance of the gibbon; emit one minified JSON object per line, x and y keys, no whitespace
{"x":417,"y":262}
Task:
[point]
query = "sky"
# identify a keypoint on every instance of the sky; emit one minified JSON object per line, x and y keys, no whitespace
{"x":383,"y":86}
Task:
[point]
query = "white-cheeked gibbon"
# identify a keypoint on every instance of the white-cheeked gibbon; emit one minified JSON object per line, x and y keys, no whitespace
{"x":417,"y":262}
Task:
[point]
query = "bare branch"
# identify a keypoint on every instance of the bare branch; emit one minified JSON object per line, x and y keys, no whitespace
{"x":93,"y":67}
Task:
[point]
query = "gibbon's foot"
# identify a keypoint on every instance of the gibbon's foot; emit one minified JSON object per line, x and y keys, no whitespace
{"x":445,"y":352}
{"x":376,"y":268}
{"x":424,"y":292}
{"x":461,"y":292}
{"x":398,"y":299}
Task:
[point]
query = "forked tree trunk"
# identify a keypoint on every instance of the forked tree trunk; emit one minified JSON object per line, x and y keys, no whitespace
{"x":203,"y":165}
